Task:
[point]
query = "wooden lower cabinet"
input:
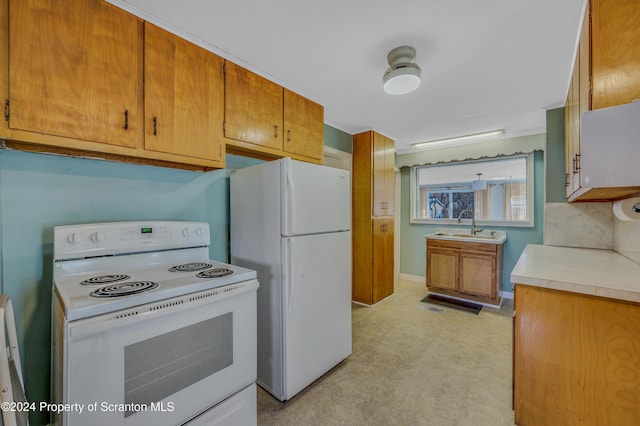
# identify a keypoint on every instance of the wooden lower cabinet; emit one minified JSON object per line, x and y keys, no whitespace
{"x":463,"y":269}
{"x":382,"y":286}
{"x":373,"y":260}
{"x":576,"y":359}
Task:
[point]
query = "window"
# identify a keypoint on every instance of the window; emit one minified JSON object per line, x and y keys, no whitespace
{"x":497,"y":191}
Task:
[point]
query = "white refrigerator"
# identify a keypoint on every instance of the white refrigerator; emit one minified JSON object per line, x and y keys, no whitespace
{"x":290,"y":221}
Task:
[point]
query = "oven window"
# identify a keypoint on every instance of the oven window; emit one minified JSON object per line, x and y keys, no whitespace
{"x":163,"y":365}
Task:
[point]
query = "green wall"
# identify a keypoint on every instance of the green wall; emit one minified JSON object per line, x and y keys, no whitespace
{"x":39,"y":191}
{"x":554,"y":155}
{"x":413,"y":245}
{"x":338,"y":139}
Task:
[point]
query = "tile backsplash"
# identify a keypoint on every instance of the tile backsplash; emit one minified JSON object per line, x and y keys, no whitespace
{"x":591,"y":225}
{"x":588,"y":225}
{"x":626,"y":237}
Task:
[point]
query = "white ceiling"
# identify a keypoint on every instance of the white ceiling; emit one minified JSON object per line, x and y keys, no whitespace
{"x":486,"y":65}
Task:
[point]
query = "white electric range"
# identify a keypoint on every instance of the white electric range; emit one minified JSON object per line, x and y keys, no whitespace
{"x":148,"y":330}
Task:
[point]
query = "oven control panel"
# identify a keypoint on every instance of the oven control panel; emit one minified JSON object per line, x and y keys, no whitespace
{"x":112,"y":238}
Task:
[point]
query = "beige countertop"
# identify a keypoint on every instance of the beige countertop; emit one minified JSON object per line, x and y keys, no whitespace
{"x":603,"y":273}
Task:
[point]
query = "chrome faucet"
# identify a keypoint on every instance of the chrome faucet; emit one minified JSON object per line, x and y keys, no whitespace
{"x":474,"y":230}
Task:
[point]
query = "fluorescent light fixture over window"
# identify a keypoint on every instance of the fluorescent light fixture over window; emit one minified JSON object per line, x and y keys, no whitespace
{"x":460,"y":140}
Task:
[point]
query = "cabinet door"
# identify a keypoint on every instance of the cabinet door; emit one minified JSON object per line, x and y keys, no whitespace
{"x":383,"y":179}
{"x":584,"y":51}
{"x":253,"y":108}
{"x":615,"y":52}
{"x":568,"y":145}
{"x":184,"y":96}
{"x":442,"y":269}
{"x":382,"y":258}
{"x":575,"y":125}
{"x":478,"y":275}
{"x":304,"y":126}
{"x":572,"y":131}
{"x":75,"y":70}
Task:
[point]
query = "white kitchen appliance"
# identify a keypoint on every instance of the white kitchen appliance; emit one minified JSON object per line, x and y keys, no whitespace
{"x":147,"y":330}
{"x":291,"y":221}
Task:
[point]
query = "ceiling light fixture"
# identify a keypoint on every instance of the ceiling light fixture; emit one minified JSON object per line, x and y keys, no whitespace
{"x":460,"y":140}
{"x":403,"y":76}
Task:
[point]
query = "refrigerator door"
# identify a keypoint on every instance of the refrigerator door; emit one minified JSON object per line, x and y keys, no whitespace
{"x":316,"y":307}
{"x":316,"y":199}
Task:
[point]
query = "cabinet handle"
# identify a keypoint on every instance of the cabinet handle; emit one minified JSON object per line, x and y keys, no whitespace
{"x":566,"y":179}
{"x":275,"y":131}
{"x":126,"y":119}
{"x":578,"y":163}
{"x":574,"y":165}
{"x":289,"y":135}
{"x":155,"y":125}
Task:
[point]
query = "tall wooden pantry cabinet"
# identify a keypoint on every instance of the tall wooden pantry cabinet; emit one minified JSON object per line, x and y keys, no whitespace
{"x":373,"y":210}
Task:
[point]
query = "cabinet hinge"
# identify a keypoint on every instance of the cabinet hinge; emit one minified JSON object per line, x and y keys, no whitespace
{"x":6,"y":110}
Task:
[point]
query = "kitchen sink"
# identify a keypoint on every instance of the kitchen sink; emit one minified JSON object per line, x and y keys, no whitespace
{"x":458,"y":234}
{"x":486,"y":237}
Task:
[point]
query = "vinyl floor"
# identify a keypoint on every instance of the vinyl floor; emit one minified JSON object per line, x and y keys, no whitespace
{"x":411,"y":366}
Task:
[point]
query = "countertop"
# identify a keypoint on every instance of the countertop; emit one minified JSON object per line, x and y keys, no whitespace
{"x":596,"y":272}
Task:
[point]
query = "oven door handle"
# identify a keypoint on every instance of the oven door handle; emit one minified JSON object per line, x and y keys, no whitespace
{"x":109,"y":322}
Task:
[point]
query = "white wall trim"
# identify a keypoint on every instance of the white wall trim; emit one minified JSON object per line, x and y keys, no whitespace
{"x":416,"y":278}
{"x":506,"y":294}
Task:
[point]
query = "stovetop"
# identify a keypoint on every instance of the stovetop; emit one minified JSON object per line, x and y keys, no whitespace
{"x":107,"y":267}
{"x":83,"y":285}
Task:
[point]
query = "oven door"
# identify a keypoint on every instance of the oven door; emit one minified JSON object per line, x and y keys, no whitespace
{"x":161,"y":363}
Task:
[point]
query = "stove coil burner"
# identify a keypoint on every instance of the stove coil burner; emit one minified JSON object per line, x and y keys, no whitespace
{"x":105,"y":279}
{"x":215,"y":273}
{"x":191,"y":267}
{"x":125,"y":289}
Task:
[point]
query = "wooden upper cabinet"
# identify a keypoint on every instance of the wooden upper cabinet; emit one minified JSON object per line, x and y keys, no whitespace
{"x":183,"y":96}
{"x":615,"y":52}
{"x":606,"y":73}
{"x":253,"y":108}
{"x":75,"y":70}
{"x":304,"y":126}
{"x":383,"y":175}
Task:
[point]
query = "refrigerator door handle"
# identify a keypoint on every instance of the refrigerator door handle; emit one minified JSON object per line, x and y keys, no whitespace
{"x":290,"y":218}
{"x":289,"y":285}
